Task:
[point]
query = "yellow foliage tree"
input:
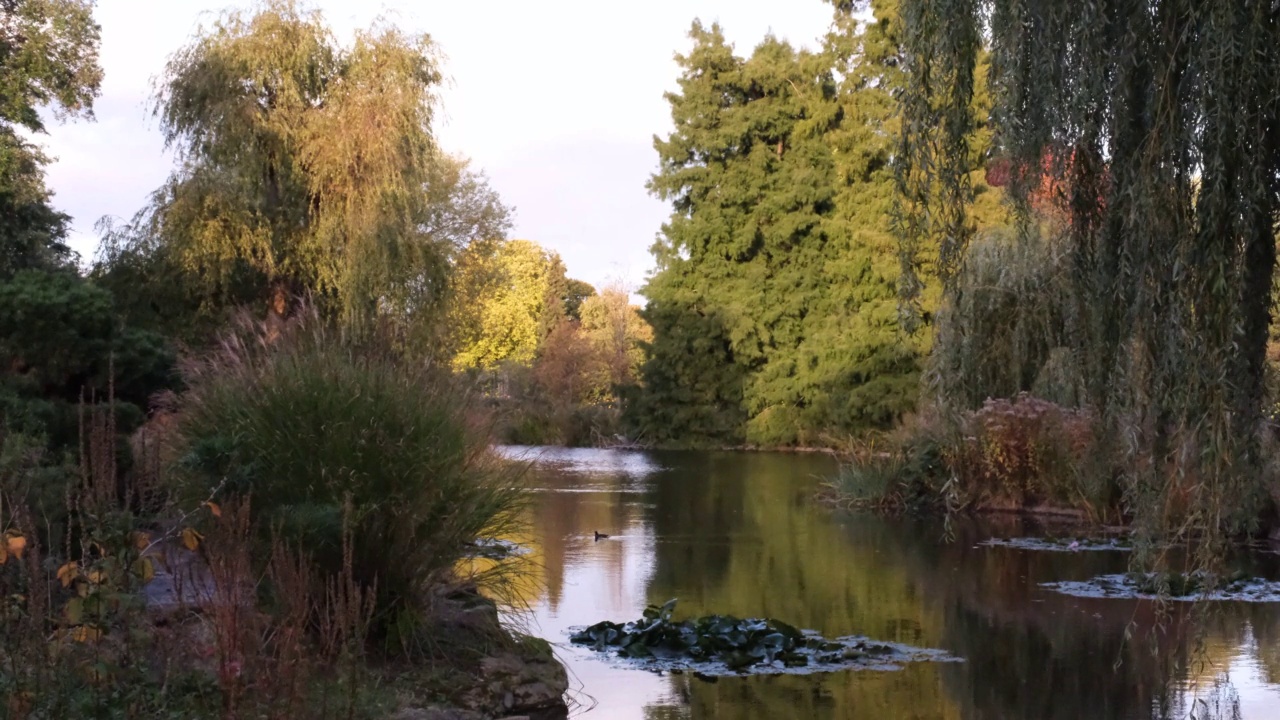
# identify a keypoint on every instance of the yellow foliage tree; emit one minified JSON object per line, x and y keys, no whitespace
{"x":614,"y":329}
{"x":504,"y":291}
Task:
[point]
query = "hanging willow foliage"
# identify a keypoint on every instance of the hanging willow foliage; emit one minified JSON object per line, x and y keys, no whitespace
{"x":306,"y":164}
{"x":1152,"y":128}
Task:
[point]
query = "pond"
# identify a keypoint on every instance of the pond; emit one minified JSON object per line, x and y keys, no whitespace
{"x":741,"y":534}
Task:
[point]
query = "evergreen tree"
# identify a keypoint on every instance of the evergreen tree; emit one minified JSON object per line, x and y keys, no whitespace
{"x":750,"y":179}
{"x":779,"y":174}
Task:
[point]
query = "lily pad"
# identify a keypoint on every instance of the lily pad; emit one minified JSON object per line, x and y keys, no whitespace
{"x":716,"y":645}
{"x":1173,"y":586}
{"x":1061,"y":545}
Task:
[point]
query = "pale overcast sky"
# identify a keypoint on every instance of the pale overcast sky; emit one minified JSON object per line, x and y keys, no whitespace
{"x":556,"y":100}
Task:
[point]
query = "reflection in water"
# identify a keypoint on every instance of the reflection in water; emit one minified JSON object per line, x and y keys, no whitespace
{"x":738,"y":533}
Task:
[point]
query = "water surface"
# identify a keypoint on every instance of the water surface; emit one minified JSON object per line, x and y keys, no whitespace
{"x":740,"y":533}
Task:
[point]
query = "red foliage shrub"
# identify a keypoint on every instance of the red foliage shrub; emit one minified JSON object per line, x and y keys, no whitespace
{"x":1024,"y":452}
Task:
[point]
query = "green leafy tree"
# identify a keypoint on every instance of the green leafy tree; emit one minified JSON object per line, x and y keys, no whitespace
{"x":61,"y":340}
{"x":780,"y":177}
{"x":577,"y":292}
{"x":48,"y":59}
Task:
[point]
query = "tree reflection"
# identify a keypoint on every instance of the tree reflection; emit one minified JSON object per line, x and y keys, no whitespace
{"x":739,"y":534}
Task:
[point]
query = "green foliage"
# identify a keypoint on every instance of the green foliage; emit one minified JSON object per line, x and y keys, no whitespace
{"x":782,"y":190}
{"x":302,"y":424}
{"x":48,"y":58}
{"x":60,"y":340}
{"x":32,"y":233}
{"x":507,"y":302}
{"x":750,"y":179}
{"x":1007,"y":325}
{"x":577,"y":292}
{"x":692,"y":391}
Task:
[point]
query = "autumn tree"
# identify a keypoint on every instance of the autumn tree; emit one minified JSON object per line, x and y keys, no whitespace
{"x":509,"y":300}
{"x":617,"y":333}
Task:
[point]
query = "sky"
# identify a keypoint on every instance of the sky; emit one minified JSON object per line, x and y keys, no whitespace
{"x":557,"y":101}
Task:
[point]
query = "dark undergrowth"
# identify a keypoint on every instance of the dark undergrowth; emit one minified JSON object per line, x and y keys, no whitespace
{"x":288,"y":539}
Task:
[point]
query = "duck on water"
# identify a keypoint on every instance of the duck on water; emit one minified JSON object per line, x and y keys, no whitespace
{"x":600,"y":536}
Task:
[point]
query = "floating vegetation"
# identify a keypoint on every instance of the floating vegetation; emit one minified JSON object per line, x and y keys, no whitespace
{"x":1239,"y":587}
{"x":495,"y":549}
{"x":1062,"y":544}
{"x":716,"y":645}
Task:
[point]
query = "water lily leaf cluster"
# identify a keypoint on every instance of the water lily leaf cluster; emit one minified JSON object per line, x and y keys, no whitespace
{"x":1186,"y":587}
{"x":721,"y":644}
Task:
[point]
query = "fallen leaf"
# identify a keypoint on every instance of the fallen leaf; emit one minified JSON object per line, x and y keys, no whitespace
{"x":191,"y":539}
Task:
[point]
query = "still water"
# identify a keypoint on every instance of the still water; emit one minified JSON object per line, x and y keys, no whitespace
{"x":740,"y":533}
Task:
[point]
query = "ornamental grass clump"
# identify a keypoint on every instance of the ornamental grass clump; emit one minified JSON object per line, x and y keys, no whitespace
{"x":304,"y":420}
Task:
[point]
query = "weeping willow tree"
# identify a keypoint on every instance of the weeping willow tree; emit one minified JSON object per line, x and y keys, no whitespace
{"x":1152,"y":128}
{"x":305,"y":166}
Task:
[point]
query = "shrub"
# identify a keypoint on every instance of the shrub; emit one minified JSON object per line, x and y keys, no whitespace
{"x":1008,"y":455}
{"x":306,"y":420}
{"x":1029,"y":452}
{"x":904,"y":469}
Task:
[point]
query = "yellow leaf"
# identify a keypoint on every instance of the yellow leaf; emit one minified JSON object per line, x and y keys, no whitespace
{"x":96,"y":576}
{"x":191,"y":539}
{"x":74,"y":611}
{"x":213,"y":508}
{"x":15,"y":544}
{"x":141,"y":540}
{"x":67,"y":573}
{"x":145,"y":569}
{"x":86,"y":634}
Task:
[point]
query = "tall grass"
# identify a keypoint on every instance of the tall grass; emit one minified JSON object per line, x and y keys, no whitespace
{"x":308,"y":420}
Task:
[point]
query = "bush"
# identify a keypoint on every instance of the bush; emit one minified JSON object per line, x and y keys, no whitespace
{"x":1024,"y":453}
{"x":1028,"y":452}
{"x":302,"y":422}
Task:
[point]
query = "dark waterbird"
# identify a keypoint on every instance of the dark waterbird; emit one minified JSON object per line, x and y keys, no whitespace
{"x":600,"y":536}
